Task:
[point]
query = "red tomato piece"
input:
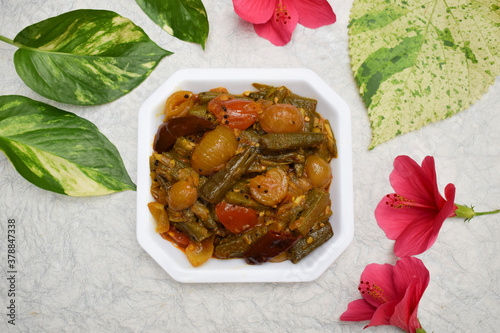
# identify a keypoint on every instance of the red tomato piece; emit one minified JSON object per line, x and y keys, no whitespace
{"x":235,"y":113}
{"x":177,"y":237}
{"x":236,"y":218}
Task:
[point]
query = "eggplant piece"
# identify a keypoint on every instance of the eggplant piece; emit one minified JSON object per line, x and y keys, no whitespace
{"x":174,"y":128}
{"x":269,"y":246}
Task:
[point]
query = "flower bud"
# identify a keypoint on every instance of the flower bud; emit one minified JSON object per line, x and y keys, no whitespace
{"x":465,"y":212}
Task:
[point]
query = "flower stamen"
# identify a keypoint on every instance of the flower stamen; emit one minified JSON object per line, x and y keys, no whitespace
{"x":282,"y":14}
{"x":397,"y":201}
{"x":374,"y":291}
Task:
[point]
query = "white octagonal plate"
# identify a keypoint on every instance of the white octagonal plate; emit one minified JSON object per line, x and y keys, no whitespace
{"x":303,"y":82}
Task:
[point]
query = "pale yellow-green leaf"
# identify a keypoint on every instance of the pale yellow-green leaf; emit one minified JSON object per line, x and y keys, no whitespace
{"x":418,"y":62}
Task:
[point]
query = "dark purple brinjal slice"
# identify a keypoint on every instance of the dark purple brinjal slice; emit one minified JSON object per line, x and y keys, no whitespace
{"x":174,"y":128}
{"x":269,"y":246}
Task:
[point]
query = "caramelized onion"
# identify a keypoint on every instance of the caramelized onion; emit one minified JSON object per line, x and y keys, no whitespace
{"x":178,"y":104}
{"x":282,"y":118}
{"x":181,"y":195}
{"x":214,"y":150}
{"x":199,"y":253}
{"x":318,"y":171}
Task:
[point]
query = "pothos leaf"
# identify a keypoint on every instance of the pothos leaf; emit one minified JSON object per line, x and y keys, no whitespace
{"x":59,"y":151}
{"x":420,"y":61}
{"x":184,"y":19}
{"x":85,"y":57}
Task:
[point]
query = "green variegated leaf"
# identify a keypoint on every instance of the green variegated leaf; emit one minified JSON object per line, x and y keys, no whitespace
{"x":59,"y":151}
{"x":420,"y":61}
{"x":85,"y":57}
{"x":184,"y":19}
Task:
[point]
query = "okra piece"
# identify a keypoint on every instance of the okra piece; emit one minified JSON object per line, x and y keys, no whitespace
{"x":245,"y":200}
{"x":203,"y":213}
{"x":194,"y":230}
{"x":220,"y":183}
{"x":181,"y":216}
{"x":169,"y":166}
{"x":249,"y":137}
{"x":289,"y":211}
{"x":256,"y":167}
{"x":242,"y":185}
{"x":309,"y":120}
{"x":265,"y":91}
{"x":270,"y":93}
{"x":207,"y":96}
{"x":281,"y":94}
{"x":308,"y":104}
{"x":299,"y":169}
{"x":201,"y":111}
{"x":331,"y":143}
{"x":183,"y":146}
{"x":284,"y":158}
{"x":236,"y":246}
{"x":162,"y":180}
{"x":311,"y":242}
{"x":317,"y":201}
{"x":289,"y":141}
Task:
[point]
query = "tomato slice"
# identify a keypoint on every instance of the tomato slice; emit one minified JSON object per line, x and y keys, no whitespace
{"x":236,"y":218}
{"x":177,"y":237}
{"x":235,"y":113}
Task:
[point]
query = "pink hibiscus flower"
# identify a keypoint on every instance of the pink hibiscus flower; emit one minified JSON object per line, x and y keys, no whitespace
{"x":390,"y":295}
{"x":414,"y":214}
{"x":276,"y":20}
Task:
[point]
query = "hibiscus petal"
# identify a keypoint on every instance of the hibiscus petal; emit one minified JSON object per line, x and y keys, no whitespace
{"x":403,"y":312}
{"x":394,"y":220}
{"x":406,"y":312}
{"x":378,"y":279}
{"x":417,"y":237}
{"x":383,"y":315}
{"x":358,"y":310}
{"x":406,"y":270}
{"x":279,"y":30}
{"x":447,"y":210}
{"x":315,"y":13}
{"x":255,"y":11}
{"x":410,"y":181}
{"x":429,"y":168}
{"x":411,"y":278}
{"x":422,"y":232}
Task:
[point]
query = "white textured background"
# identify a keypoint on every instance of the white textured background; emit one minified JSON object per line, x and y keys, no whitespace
{"x":80,"y":267}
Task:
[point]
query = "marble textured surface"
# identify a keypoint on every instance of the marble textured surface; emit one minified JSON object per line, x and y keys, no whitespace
{"x":80,"y":267}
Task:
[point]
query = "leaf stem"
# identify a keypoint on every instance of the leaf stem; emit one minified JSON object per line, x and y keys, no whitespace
{"x":7,"y":40}
{"x":487,"y":213}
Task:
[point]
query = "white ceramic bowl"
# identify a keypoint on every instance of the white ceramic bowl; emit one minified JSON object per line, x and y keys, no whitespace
{"x":300,"y":81}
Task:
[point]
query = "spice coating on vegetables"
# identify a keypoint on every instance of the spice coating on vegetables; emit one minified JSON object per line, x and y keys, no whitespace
{"x":243,"y":175}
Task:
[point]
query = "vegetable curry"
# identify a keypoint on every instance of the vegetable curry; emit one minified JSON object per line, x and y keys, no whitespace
{"x":243,"y":176}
